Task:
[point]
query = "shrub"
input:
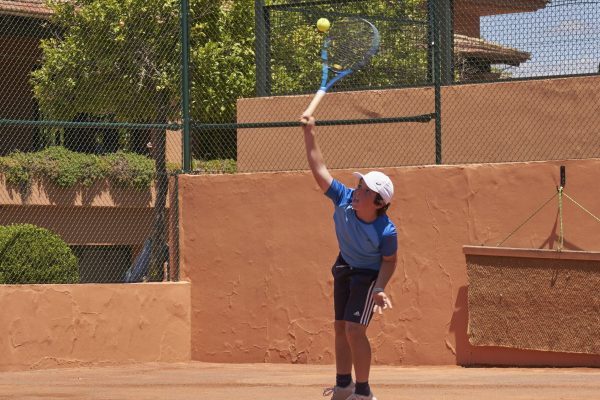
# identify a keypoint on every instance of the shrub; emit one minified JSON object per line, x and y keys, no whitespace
{"x":201,"y":167}
{"x":15,"y":168}
{"x":130,"y":170}
{"x":66,"y":168}
{"x":223,"y":166}
{"x":30,"y":254}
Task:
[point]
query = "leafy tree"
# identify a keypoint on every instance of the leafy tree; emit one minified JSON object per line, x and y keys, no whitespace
{"x":222,"y":70}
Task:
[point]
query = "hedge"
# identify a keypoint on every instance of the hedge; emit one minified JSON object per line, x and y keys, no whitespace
{"x":31,"y":254}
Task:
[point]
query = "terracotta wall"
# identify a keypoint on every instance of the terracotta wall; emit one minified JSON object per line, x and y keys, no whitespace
{"x":48,"y":326}
{"x":492,"y":122}
{"x":258,"y":249}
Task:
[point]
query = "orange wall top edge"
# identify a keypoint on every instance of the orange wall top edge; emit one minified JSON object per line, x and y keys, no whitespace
{"x":531,"y":253}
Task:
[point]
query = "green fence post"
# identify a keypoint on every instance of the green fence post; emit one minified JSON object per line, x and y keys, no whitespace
{"x":185,"y":84}
{"x":434,"y":37}
{"x":444,"y":21}
{"x":263,"y":84}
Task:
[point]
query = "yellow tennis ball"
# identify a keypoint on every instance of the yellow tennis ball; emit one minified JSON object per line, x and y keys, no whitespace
{"x":323,"y":24}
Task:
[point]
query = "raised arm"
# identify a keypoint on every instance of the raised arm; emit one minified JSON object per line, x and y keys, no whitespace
{"x":314,"y":155}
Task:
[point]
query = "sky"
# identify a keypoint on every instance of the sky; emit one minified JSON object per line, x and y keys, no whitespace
{"x":563,"y":38}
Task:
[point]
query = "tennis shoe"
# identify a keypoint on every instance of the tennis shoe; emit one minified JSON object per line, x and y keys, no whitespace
{"x":339,"y":393}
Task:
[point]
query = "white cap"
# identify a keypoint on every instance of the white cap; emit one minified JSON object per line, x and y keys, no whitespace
{"x":379,"y":183}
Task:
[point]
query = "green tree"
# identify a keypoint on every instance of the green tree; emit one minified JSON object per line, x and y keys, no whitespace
{"x":222,"y":70}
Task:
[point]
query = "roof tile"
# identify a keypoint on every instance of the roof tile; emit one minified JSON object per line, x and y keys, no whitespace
{"x":25,"y":8}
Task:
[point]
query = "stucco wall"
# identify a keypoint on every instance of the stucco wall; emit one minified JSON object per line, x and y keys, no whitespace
{"x":492,"y":122}
{"x":45,"y":326}
{"x":258,"y":249}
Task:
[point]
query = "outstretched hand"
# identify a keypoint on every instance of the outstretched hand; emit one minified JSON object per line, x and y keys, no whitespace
{"x":381,"y":302}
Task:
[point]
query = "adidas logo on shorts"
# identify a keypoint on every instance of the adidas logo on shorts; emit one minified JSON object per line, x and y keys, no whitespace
{"x":357,"y":314}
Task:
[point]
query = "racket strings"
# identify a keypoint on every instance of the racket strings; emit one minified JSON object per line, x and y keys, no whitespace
{"x":351,"y":44}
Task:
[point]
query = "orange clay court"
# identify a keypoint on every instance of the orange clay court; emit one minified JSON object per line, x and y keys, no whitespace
{"x":196,"y":380}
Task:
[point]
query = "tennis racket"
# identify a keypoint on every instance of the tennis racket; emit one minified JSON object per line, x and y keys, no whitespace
{"x":350,"y":44}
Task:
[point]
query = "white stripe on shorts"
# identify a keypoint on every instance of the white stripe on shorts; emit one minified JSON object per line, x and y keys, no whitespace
{"x":368,"y":310}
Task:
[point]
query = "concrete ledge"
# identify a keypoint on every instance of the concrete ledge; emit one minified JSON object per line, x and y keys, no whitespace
{"x":531,"y":253}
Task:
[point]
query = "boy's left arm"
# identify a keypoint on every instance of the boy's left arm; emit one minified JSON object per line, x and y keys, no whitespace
{"x":388,"y":266}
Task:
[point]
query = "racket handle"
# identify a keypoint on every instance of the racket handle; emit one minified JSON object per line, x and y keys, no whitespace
{"x":314,"y":103}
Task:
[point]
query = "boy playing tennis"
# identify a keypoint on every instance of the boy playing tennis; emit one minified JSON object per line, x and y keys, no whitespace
{"x":367,"y":259}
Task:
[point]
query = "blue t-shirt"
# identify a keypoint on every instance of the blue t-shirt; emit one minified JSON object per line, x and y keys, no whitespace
{"x":361,"y":244}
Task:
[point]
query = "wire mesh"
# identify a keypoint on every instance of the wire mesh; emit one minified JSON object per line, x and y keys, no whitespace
{"x":88,"y":118}
{"x":530,"y":117}
{"x":527,"y":39}
{"x":293,"y":42}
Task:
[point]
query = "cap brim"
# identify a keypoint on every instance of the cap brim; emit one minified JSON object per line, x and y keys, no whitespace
{"x":361,"y":176}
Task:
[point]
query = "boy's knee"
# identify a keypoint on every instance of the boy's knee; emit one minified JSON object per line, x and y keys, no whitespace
{"x":340,"y":328}
{"x":354,"y":330}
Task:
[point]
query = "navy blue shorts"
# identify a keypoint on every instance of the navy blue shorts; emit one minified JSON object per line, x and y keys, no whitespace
{"x":352,"y":292}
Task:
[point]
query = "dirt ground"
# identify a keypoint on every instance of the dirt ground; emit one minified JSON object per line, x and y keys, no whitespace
{"x":198,"y":380}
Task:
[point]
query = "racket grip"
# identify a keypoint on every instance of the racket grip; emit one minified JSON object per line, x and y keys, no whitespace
{"x":314,"y":103}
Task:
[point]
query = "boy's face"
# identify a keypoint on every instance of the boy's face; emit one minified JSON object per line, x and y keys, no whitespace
{"x":363,"y":199}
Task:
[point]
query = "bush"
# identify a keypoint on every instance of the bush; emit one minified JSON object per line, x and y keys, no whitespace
{"x":220,"y":166}
{"x":30,"y":254}
{"x":130,"y":170}
{"x":66,"y":168}
{"x":226,"y":166}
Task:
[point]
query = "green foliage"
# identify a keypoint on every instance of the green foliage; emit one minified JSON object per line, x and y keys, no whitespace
{"x":227,"y":166}
{"x":30,"y":254}
{"x":16,"y":168}
{"x":222,"y":57}
{"x":402,"y":58}
{"x":66,"y":168}
{"x":130,"y":170}
{"x":121,"y":58}
{"x":113,"y":57}
{"x":218,"y":166}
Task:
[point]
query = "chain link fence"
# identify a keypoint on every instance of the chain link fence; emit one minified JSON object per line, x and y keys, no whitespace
{"x":540,"y":61}
{"x":105,"y":102}
{"x":88,"y":120}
